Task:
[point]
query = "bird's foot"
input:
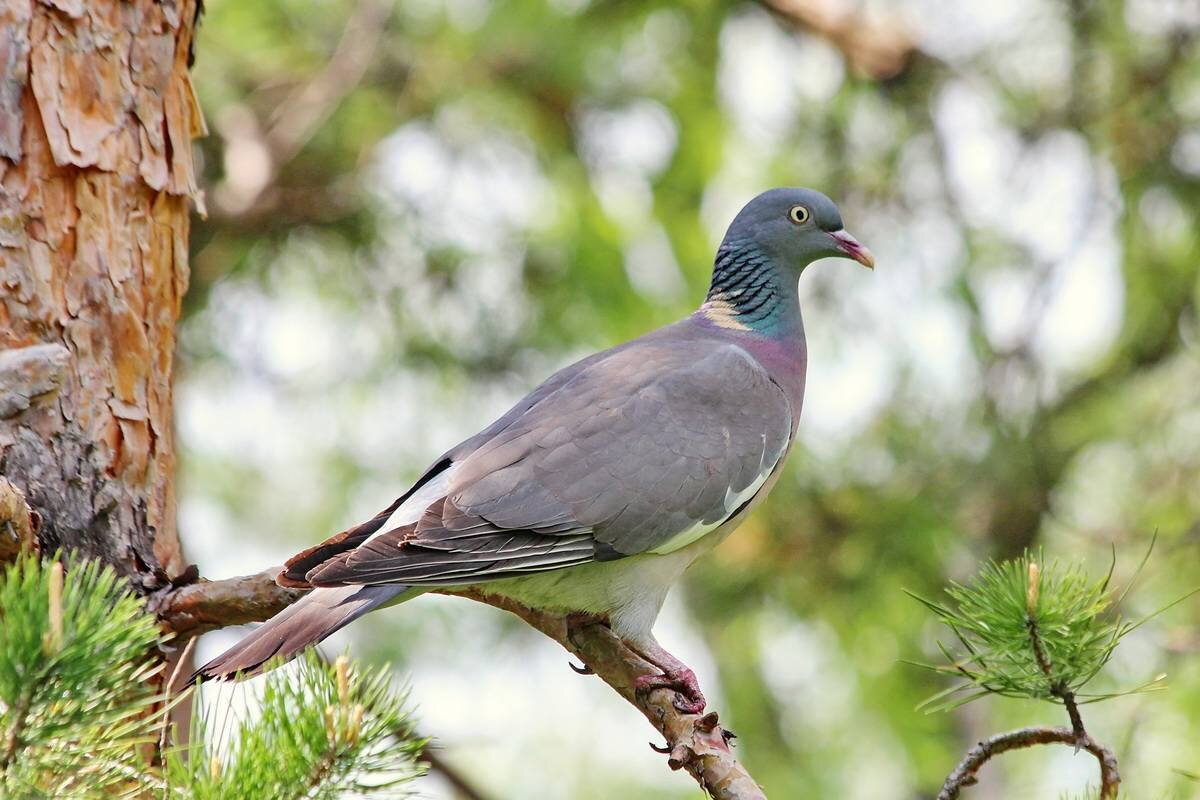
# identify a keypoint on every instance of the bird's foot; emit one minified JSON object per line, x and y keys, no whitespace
{"x":689,"y":699}
{"x":576,"y":622}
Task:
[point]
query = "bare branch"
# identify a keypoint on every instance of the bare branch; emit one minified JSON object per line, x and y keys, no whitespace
{"x":298,"y":117}
{"x":695,"y":743}
{"x":207,"y":605}
{"x":462,"y":787}
{"x":964,"y":774}
{"x":302,"y":113}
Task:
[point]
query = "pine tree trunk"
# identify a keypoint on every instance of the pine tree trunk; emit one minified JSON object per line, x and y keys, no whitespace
{"x":97,"y":114}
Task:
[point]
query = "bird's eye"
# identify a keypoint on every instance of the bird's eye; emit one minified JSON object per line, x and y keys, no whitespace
{"x":798,"y":214}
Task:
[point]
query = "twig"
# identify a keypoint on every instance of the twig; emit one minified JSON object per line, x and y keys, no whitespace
{"x":1057,"y":688}
{"x":304,"y":110}
{"x":207,"y":605}
{"x":462,"y":787}
{"x":12,"y":740}
{"x":695,"y":743}
{"x":977,"y":756}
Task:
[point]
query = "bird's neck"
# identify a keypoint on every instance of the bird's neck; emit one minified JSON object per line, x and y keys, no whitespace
{"x":750,"y":293}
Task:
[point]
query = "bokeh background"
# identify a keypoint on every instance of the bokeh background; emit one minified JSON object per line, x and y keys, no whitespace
{"x":418,"y":209}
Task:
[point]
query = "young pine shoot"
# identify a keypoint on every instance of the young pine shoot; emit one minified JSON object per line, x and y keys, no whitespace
{"x":1027,"y":630}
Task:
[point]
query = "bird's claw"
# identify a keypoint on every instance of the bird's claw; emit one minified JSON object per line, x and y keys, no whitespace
{"x":689,"y":699}
{"x":581,"y":670}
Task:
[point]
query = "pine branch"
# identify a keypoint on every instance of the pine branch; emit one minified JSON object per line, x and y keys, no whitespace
{"x":76,"y":693}
{"x":204,"y":605}
{"x":695,"y":743}
{"x":964,"y":774}
{"x":324,"y":732}
{"x":1034,"y":635}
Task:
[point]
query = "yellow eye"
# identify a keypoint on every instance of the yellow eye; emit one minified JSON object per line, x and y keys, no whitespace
{"x":798,"y":214}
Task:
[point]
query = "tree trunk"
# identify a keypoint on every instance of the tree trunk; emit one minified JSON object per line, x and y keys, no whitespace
{"x":97,"y":114}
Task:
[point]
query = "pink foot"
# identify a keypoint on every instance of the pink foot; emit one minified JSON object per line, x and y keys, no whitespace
{"x":689,"y":699}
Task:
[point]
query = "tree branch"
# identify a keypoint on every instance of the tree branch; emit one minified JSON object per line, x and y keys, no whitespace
{"x":695,"y":743}
{"x":205,"y":605}
{"x":462,"y":787}
{"x":876,"y":48}
{"x":964,"y":774}
{"x":301,"y":114}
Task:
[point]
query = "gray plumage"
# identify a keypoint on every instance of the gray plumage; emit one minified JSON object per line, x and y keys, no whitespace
{"x":631,"y":450}
{"x":594,"y":492}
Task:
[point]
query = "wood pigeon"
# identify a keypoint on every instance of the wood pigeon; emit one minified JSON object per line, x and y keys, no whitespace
{"x":595,"y":492}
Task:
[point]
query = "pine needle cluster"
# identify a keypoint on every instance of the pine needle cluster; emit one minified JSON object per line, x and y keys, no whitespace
{"x":81,"y":714}
{"x":76,"y":697}
{"x":1027,"y":631}
{"x":327,"y":731}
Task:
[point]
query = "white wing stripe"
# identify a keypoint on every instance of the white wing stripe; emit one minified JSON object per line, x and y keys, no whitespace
{"x":411,"y":509}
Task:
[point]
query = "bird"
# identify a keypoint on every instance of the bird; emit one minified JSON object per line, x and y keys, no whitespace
{"x":595,"y":492}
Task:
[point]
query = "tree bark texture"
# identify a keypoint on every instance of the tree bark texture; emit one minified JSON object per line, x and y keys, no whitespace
{"x":97,"y":115}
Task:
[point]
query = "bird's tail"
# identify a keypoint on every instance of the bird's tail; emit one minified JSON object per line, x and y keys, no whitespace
{"x":306,"y":622}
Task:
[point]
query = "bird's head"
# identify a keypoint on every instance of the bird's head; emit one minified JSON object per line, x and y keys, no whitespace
{"x":795,"y":227}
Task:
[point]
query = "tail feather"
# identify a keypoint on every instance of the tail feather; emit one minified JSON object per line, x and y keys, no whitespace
{"x":306,"y":622}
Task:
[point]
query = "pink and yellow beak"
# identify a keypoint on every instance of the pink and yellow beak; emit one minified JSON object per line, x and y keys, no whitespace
{"x":853,"y":248}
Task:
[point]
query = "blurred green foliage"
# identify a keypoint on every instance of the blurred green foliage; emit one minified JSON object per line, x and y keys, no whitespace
{"x":412,"y":224}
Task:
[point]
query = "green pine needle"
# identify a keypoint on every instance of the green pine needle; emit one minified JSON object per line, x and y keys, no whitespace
{"x":80,"y":717}
{"x":76,"y":702}
{"x":1011,"y":609}
{"x":325,"y":731}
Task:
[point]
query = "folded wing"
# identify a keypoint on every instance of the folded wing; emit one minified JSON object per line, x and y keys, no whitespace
{"x":644,"y":450}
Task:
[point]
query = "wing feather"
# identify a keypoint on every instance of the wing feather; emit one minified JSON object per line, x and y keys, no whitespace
{"x":631,"y":453}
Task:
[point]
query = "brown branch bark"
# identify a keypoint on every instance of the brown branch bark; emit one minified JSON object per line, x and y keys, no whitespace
{"x":208,"y":605}
{"x":877,"y":48}
{"x":695,"y":743}
{"x":964,"y":774}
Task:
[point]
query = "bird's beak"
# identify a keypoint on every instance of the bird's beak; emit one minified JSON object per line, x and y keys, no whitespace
{"x":853,"y":248}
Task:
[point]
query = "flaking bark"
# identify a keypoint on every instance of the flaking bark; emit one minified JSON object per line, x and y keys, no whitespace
{"x":97,"y":114}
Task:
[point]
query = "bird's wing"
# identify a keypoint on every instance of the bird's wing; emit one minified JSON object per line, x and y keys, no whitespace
{"x":645,"y":450}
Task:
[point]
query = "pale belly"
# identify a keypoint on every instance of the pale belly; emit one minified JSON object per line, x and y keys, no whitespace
{"x":629,"y":591}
